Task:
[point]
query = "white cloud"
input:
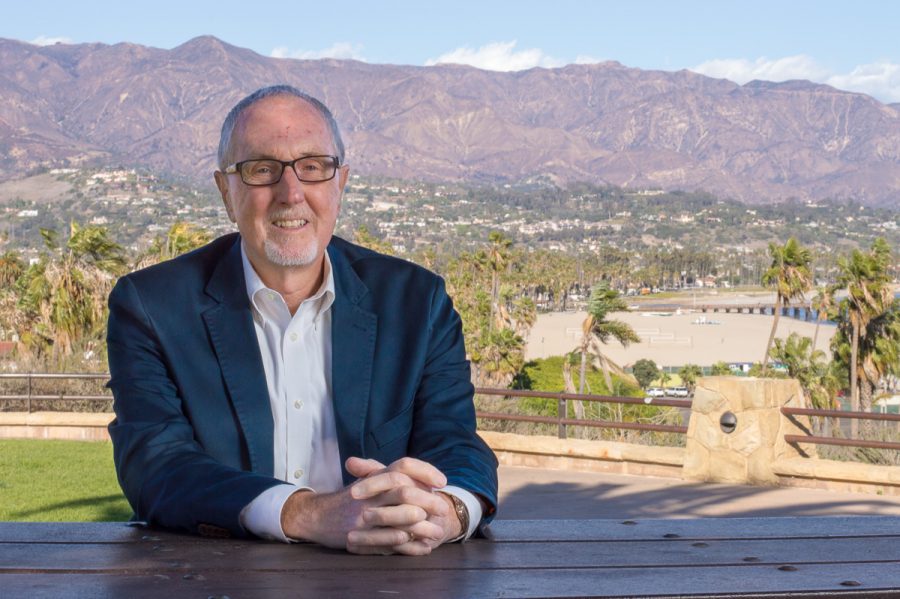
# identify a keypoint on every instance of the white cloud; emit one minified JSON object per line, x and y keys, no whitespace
{"x":585,"y":59}
{"x":878,"y":79}
{"x":340,"y":50}
{"x":43,"y":40}
{"x":742,"y":70}
{"x":497,"y":56}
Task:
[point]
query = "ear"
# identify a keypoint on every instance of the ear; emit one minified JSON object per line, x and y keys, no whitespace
{"x":222,"y":183}
{"x":343,"y":177}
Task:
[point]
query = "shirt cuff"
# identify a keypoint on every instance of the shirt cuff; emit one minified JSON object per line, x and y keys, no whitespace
{"x":262,"y":516}
{"x":472,"y":504}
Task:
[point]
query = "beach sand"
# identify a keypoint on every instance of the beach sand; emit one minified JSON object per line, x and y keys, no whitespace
{"x":673,"y":339}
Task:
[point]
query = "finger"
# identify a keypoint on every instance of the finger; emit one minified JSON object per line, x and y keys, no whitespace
{"x":422,"y":472}
{"x":378,"y":537}
{"x":395,"y":515}
{"x":381,"y":482}
{"x":387,"y":489}
{"x":423,"y":532}
{"x":403,"y":517}
{"x":361,"y":468}
{"x":433,"y":503}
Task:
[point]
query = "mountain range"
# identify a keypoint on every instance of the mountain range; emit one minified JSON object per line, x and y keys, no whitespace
{"x":762,"y":142}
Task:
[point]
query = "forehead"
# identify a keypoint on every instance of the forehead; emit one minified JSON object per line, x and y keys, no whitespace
{"x":281,"y":125}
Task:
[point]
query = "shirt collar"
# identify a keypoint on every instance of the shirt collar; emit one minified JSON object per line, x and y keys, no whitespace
{"x":324,"y":295}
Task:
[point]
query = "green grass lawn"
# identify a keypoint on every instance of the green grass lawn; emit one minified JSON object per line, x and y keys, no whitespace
{"x":59,"y":481}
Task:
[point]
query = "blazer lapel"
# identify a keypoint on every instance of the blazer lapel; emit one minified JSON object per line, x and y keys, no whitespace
{"x":230,"y":326}
{"x":353,"y":331}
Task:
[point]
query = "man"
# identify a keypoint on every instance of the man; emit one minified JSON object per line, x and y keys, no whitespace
{"x":285,"y":383}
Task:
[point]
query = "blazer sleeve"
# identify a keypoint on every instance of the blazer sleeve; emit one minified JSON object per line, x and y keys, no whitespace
{"x":444,"y":428}
{"x":167,"y":477}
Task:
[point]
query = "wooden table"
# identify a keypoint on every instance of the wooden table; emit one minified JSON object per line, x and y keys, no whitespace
{"x":715,"y":557}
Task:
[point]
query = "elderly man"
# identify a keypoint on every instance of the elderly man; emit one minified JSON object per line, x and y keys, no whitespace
{"x":285,"y":383}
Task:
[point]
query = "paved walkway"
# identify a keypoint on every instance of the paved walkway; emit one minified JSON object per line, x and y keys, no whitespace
{"x":527,"y":493}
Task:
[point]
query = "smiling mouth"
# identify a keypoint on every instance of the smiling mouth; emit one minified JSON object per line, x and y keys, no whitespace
{"x":291,"y":224}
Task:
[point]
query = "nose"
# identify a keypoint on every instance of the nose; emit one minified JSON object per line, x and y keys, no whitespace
{"x":290,"y":190}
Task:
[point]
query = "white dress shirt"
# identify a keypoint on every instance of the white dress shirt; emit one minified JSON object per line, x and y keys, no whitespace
{"x":296,"y":357}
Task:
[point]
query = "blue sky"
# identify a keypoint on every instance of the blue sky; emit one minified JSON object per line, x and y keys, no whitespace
{"x":851,"y":45}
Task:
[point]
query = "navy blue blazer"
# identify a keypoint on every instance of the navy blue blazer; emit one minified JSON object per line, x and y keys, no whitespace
{"x":193,"y":433}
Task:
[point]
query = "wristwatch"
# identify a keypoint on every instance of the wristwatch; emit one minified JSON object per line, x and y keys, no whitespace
{"x":462,"y":513}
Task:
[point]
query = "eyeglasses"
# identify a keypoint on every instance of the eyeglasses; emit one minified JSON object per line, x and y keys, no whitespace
{"x":268,"y":171}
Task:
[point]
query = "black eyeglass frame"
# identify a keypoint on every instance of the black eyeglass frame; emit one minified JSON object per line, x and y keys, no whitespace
{"x":236,"y":169}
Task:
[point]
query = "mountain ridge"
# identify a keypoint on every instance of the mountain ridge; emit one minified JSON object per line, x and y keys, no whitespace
{"x":605,"y":123}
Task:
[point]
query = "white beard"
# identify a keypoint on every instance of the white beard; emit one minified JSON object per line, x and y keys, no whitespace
{"x":302,"y":256}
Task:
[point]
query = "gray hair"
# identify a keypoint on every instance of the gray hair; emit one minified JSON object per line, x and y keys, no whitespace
{"x":276,"y":90}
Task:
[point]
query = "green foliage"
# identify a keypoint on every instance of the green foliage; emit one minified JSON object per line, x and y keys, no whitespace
{"x":59,"y":481}
{"x":689,"y":374}
{"x":790,"y":276}
{"x":362,"y":236}
{"x":546,"y":375}
{"x":809,"y":367}
{"x":720,"y":368}
{"x":645,"y":371}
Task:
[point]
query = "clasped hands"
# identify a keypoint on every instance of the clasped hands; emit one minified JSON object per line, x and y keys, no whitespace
{"x":389,"y":509}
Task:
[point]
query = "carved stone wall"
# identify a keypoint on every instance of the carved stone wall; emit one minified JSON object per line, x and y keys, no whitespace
{"x":749,"y":452}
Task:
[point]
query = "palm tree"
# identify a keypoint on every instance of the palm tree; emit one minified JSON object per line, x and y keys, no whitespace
{"x":721,"y":369}
{"x":497,"y":255}
{"x":181,"y":237}
{"x":63,"y":296}
{"x":879,"y":353}
{"x":11,"y":268}
{"x":824,"y":305}
{"x":866,"y":279}
{"x":789,"y":274}
{"x":806,"y":364}
{"x":597,"y":329}
{"x":689,"y":374}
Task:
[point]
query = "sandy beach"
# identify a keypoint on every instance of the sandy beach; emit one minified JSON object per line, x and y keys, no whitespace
{"x":675,"y":339}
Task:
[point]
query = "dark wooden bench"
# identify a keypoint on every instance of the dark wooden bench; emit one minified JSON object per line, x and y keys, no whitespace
{"x":717,"y":557}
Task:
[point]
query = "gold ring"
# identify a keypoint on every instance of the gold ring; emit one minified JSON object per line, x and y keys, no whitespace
{"x":412,"y":537}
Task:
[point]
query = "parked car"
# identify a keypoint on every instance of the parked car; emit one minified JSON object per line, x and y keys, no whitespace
{"x":678,"y":392}
{"x":656,"y":392}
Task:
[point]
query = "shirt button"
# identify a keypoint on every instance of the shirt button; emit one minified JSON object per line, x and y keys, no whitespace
{"x":298,"y":473}
{"x":298,"y":404}
{"x":293,"y":336}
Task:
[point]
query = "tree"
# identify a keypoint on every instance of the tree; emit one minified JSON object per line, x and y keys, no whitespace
{"x":689,"y":374}
{"x":11,"y":268}
{"x":597,"y":330}
{"x":789,"y":274}
{"x":645,"y":371}
{"x":497,"y":255}
{"x":824,"y":305}
{"x":809,"y":366}
{"x":363,"y":237}
{"x":721,"y":369}
{"x":63,"y":295}
{"x":878,"y":354}
{"x":865,"y":277}
{"x":182,"y":237}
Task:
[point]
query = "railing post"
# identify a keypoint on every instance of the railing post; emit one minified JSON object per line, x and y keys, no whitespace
{"x":561,"y":412}
{"x":29,"y":391}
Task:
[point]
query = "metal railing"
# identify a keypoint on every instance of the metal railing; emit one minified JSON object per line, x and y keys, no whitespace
{"x":560,"y":420}
{"x":844,"y":442}
{"x":30,"y":396}
{"x":563,"y":422}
